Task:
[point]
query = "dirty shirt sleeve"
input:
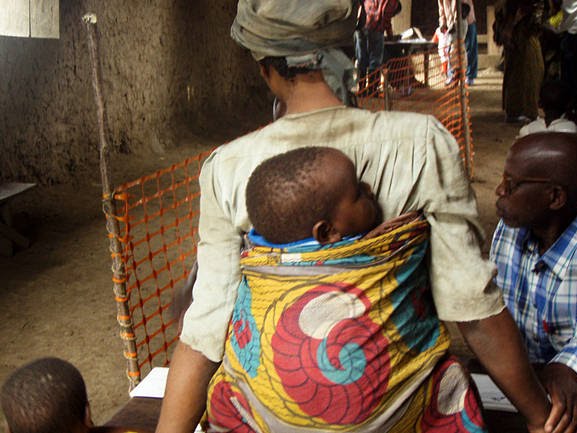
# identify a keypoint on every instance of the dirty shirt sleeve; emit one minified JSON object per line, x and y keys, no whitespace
{"x":568,"y":354}
{"x":460,"y":277}
{"x":206,"y":320}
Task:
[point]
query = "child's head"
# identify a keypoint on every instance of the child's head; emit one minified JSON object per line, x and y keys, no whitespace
{"x":46,"y":396}
{"x":311,"y":191}
{"x":465,"y":10}
{"x":555,"y":97}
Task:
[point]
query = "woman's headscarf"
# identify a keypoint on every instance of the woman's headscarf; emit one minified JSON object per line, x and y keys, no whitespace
{"x":306,"y":32}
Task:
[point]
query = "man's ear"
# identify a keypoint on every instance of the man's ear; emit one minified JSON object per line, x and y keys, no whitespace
{"x":558,"y":197}
{"x":325,"y":233}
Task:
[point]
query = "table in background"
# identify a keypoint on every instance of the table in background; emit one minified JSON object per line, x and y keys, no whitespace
{"x":8,"y":235}
{"x":139,"y":413}
{"x":405,"y":48}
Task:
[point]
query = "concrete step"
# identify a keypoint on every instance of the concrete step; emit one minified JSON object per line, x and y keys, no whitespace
{"x":489,"y":60}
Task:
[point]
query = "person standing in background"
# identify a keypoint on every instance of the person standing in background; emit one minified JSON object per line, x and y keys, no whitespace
{"x":518,"y":24}
{"x":447,"y":14}
{"x":374,"y":22}
{"x":569,"y":48}
{"x":448,"y":21}
{"x":471,"y":44}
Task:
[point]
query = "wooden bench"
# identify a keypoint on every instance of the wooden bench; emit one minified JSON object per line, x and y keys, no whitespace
{"x":8,"y":235}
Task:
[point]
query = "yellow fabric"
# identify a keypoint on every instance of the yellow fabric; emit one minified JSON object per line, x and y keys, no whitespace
{"x":364,"y":300}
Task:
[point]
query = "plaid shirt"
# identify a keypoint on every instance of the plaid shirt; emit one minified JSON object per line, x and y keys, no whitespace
{"x":540,"y":291}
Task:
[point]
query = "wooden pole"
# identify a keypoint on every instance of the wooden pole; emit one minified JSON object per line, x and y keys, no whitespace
{"x":108,"y":205}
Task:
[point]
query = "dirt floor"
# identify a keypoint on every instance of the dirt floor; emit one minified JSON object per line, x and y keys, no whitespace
{"x":56,"y":297}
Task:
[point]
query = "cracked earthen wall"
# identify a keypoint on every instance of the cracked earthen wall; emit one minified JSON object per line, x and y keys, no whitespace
{"x":168,"y":67}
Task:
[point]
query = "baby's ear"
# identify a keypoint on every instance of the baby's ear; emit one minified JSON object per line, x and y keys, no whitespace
{"x":88,"y":416}
{"x":325,"y":233}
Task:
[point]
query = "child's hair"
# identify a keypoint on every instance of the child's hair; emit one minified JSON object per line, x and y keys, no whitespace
{"x":284,"y":197}
{"x":465,"y":9}
{"x":555,"y":97}
{"x":45,"y":396}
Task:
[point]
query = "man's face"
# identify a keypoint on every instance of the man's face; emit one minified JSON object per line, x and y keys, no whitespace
{"x":523,"y":194}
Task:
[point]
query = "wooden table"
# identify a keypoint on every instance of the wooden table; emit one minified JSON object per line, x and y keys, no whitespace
{"x":405,"y":48}
{"x":142,"y":413}
{"x":139,"y":413}
{"x":8,"y":235}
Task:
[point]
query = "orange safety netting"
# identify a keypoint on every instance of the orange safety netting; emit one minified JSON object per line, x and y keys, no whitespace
{"x":153,"y":222}
{"x":417,"y":82}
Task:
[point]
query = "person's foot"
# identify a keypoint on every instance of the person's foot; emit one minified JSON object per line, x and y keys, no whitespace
{"x":517,"y":119}
{"x":470,"y":81}
{"x":417,"y":84}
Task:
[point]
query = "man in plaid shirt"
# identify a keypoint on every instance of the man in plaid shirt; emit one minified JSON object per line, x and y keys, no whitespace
{"x":534,"y":248}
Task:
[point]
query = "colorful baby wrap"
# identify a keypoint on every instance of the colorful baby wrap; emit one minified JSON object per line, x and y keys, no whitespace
{"x":339,"y":338}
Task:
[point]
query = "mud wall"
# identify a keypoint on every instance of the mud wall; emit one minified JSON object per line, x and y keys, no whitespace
{"x":168,"y":67}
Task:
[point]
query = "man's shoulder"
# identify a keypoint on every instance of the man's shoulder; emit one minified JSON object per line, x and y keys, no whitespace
{"x":506,"y":240}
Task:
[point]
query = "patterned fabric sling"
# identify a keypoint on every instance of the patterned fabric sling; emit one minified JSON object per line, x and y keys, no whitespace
{"x":341,"y":338}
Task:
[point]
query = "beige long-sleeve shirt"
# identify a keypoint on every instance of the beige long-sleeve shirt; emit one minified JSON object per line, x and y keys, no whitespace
{"x":410,"y":161}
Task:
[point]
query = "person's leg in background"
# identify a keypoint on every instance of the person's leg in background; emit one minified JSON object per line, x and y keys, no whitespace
{"x":569,"y":66}
{"x":376,"y":43}
{"x":471,"y":47}
{"x":362,"y":56}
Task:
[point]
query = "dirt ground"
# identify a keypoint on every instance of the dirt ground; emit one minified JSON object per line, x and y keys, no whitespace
{"x":56,"y":297}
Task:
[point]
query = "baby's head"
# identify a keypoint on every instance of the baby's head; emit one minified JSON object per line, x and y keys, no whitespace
{"x":46,"y":396}
{"x":310,"y":191}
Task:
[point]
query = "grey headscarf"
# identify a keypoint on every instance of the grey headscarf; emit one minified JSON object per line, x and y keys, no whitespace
{"x":306,"y":32}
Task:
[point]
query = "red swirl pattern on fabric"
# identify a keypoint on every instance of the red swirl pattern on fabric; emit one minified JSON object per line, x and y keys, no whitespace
{"x":297,"y":364}
{"x":223,"y":413}
{"x":468,"y":420}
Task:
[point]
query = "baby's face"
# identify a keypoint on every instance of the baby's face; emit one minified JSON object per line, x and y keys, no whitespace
{"x":358,"y":210}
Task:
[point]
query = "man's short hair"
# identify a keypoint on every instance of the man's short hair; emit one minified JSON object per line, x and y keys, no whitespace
{"x":45,"y":396}
{"x":556,"y":96}
{"x":285,"y":198}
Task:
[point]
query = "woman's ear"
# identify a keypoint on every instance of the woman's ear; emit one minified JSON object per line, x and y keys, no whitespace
{"x":264,"y":72}
{"x":325,"y":233}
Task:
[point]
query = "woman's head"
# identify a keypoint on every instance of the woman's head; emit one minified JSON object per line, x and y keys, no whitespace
{"x":310,"y":191}
{"x":300,"y":36}
{"x":277,"y":28}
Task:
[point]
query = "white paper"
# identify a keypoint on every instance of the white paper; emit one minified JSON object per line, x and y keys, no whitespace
{"x":152,"y":385}
{"x":15,"y":18}
{"x":491,"y":395}
{"x":45,"y":19}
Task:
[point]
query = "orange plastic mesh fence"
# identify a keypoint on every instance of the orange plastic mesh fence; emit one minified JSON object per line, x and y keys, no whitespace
{"x":156,"y":218}
{"x":418,"y":83}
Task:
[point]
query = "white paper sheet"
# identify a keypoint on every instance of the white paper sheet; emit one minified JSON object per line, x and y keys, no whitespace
{"x":152,"y":385}
{"x":491,"y":396}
